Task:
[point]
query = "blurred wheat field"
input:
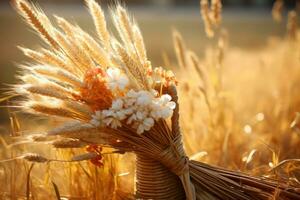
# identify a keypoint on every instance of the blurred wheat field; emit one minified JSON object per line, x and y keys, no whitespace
{"x":242,"y":122}
{"x":257,"y":26}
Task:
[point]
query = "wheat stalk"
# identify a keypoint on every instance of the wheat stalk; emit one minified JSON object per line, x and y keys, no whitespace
{"x":58,"y":74}
{"x":180,"y":49}
{"x":68,"y":143}
{"x":50,"y":90}
{"x":216,"y":9}
{"x":292,"y":25}
{"x":205,"y":13}
{"x":45,"y":108}
{"x":277,"y":10}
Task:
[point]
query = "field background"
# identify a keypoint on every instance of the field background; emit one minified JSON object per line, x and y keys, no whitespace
{"x":249,"y":28}
{"x":254,"y":110}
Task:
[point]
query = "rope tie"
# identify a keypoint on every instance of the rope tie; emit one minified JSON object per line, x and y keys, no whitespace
{"x":167,"y":176}
{"x":169,"y":158}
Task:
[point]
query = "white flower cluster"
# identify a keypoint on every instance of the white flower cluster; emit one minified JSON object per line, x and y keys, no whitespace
{"x":115,"y":79}
{"x":138,"y":109}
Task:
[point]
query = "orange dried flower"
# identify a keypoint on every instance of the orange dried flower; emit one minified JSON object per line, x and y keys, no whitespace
{"x":94,"y":148}
{"x":95,"y":92}
{"x":166,"y":77}
{"x":98,"y":160}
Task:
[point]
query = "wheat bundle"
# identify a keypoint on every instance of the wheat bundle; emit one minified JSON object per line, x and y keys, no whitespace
{"x":109,"y":95}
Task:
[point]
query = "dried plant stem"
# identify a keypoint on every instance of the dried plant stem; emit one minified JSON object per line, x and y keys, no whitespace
{"x":277,"y":10}
{"x":179,"y":49}
{"x":205,"y":12}
{"x":292,"y":25}
{"x":28,"y":181}
{"x":216,"y":9}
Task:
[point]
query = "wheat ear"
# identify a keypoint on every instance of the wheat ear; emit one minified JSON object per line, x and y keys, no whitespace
{"x":292,"y":25}
{"x":179,"y":49}
{"x":58,"y":74}
{"x":205,"y":13}
{"x":98,"y":54}
{"x":139,"y":44}
{"x":100,"y":22}
{"x":216,"y":9}
{"x":133,"y":68}
{"x":31,"y":17}
{"x":124,"y":26}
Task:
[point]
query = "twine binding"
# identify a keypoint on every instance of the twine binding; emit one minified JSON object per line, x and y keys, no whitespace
{"x":166,"y":176}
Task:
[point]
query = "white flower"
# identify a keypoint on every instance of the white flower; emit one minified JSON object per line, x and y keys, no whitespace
{"x":97,"y":119}
{"x":107,"y":113}
{"x":117,"y":104}
{"x":141,"y":115}
{"x":117,"y":114}
{"x":131,"y":119}
{"x":166,"y":112}
{"x":155,"y":114}
{"x":140,"y":109}
{"x":146,"y":125}
{"x":120,"y":115}
{"x":113,"y":118}
{"x":112,"y":122}
{"x":129,"y":111}
{"x":165,"y":98}
{"x":130,"y":98}
{"x":162,"y":107}
{"x":115,"y":79}
{"x":154,"y":93}
{"x":95,"y":122}
{"x":144,"y":98}
{"x":132,"y":94}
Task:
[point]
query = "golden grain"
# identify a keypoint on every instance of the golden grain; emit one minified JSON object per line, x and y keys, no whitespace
{"x":100,"y":23}
{"x":68,"y":143}
{"x":58,"y":74}
{"x":33,"y":157}
{"x":28,"y":12}
{"x":97,"y":53}
{"x":49,"y":109}
{"x":124,"y":25}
